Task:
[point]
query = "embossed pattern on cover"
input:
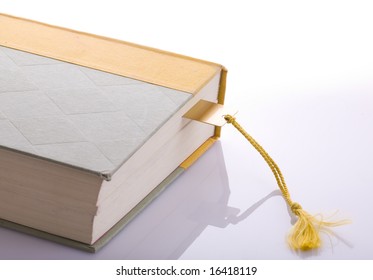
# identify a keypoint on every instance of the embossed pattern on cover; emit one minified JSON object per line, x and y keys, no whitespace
{"x":76,"y":115}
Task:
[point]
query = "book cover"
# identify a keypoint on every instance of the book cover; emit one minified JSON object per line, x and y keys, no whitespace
{"x":82,"y":110}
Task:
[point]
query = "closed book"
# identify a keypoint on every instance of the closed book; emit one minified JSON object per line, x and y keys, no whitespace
{"x":92,"y":129}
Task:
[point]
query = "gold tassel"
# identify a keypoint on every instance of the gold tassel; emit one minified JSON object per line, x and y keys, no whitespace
{"x":305,"y":232}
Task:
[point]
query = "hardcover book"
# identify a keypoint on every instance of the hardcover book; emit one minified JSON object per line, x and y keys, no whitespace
{"x":92,"y":128}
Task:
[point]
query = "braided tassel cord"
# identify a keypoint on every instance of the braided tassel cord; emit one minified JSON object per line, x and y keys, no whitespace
{"x":305,"y":232}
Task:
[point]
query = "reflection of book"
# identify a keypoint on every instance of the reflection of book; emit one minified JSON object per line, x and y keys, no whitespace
{"x":90,"y":127}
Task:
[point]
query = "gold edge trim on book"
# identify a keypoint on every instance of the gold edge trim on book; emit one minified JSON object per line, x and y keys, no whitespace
{"x":114,"y":40}
{"x":209,"y":142}
{"x":106,"y":54}
{"x":197,"y":153}
{"x":221,"y":95}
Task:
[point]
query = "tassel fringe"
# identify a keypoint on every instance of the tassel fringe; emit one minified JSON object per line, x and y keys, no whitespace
{"x":305,"y":234}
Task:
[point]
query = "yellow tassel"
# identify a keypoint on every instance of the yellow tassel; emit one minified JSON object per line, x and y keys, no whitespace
{"x":305,"y":234}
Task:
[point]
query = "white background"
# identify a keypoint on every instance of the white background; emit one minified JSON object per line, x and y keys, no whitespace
{"x":301,"y":75}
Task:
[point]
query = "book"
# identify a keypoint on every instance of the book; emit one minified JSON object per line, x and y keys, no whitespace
{"x":92,"y":129}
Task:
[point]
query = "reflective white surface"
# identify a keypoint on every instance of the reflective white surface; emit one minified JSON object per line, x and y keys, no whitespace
{"x":302,"y":79}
